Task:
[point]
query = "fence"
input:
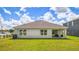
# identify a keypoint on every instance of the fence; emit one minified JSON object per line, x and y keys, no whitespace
{"x":4,"y":36}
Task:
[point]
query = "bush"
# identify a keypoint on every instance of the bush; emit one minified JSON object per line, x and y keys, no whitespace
{"x":61,"y":35}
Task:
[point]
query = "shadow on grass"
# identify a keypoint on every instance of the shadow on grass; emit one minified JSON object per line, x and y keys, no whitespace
{"x":41,"y":39}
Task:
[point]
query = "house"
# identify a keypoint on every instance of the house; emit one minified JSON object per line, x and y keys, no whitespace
{"x":40,"y":29}
{"x":73,"y":27}
{"x":4,"y":34}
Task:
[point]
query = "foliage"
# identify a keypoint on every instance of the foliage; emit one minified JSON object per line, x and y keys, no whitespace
{"x":11,"y":30}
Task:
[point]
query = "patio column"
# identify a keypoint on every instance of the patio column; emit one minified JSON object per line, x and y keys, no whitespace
{"x":65,"y":32}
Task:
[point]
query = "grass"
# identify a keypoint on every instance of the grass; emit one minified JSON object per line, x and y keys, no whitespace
{"x":70,"y":44}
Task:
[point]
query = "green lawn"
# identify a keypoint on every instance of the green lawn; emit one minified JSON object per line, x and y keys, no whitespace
{"x":70,"y":44}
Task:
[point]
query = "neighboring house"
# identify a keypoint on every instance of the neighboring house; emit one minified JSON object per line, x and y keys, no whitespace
{"x":40,"y":29}
{"x":73,"y":27}
{"x":4,"y":34}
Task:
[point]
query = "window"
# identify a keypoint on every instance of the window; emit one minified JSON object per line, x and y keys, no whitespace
{"x":23,"y":32}
{"x":54,"y":31}
{"x":68,"y":24}
{"x":72,"y":23}
{"x":43,"y":32}
{"x":20,"y":32}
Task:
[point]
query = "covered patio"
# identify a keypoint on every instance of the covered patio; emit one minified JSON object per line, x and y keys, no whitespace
{"x":59,"y":33}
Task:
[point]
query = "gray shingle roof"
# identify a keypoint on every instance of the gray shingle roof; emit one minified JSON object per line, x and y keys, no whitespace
{"x":40,"y":24}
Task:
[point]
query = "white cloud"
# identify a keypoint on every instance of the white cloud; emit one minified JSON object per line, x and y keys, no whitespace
{"x":11,"y":23}
{"x":4,"y":24}
{"x":64,"y":12}
{"x":6,"y":11}
{"x":18,"y":13}
{"x":23,"y":9}
{"x":59,"y":9}
{"x":1,"y":22}
{"x":1,"y":19}
{"x":47,"y":16}
{"x":14,"y":22}
{"x":61,"y":15}
{"x":71,"y":16}
{"x":8,"y":23}
{"x":61,"y":22}
{"x":25,"y":19}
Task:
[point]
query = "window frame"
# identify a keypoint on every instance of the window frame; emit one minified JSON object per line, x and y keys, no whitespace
{"x":22,"y":32}
{"x":43,"y":32}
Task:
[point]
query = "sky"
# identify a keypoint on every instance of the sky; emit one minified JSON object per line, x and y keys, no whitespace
{"x":14,"y":16}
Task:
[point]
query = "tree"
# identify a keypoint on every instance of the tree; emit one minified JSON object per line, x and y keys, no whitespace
{"x":11,"y":30}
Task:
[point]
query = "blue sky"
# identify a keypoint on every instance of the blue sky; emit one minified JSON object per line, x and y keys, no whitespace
{"x":13,"y":16}
{"x":33,"y":12}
